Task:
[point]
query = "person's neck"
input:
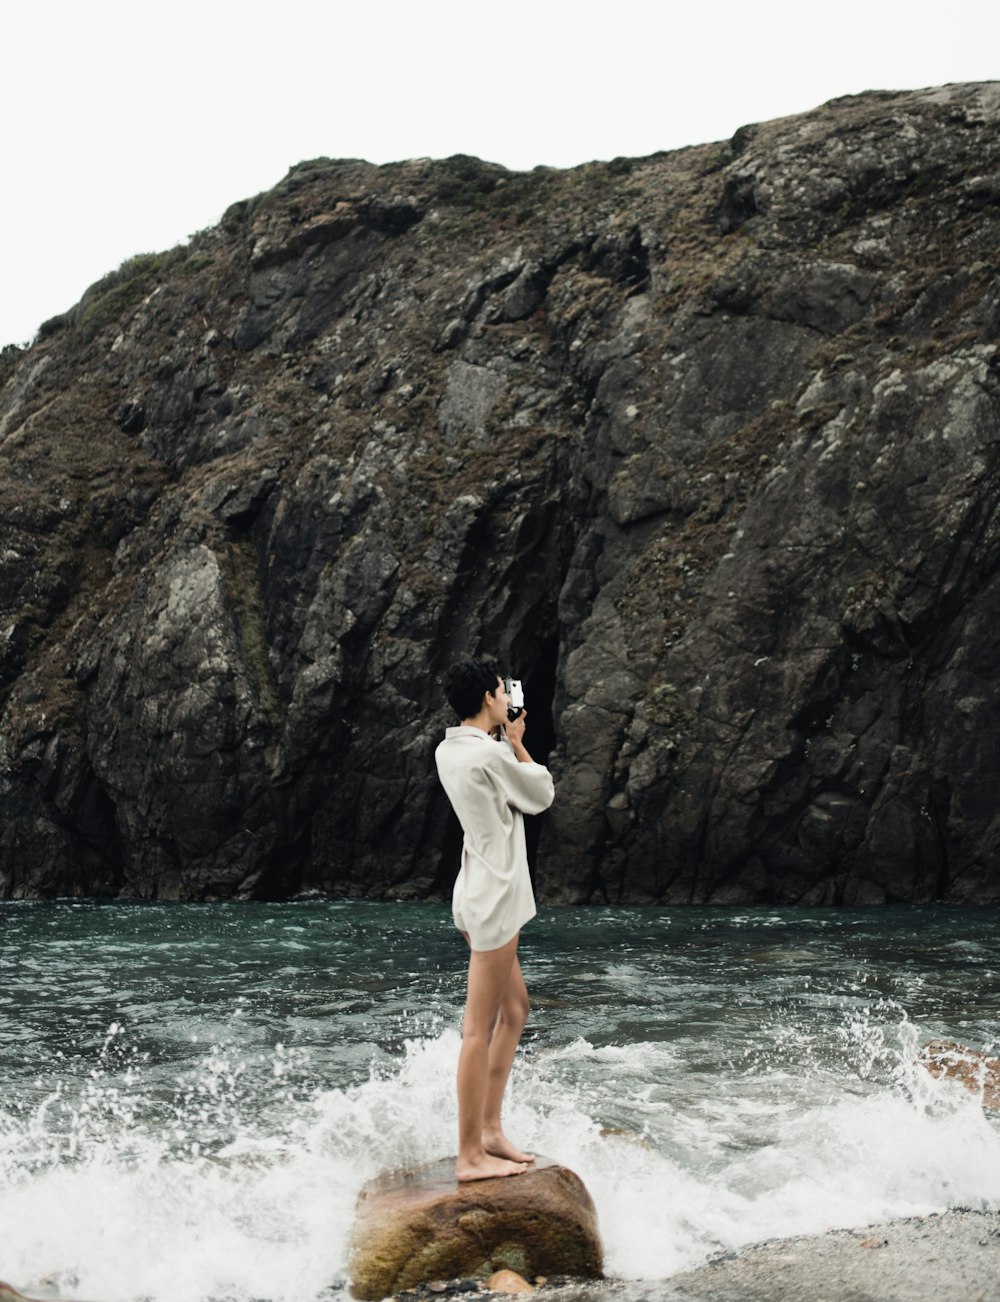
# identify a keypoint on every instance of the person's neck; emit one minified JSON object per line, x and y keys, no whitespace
{"x":482,"y":721}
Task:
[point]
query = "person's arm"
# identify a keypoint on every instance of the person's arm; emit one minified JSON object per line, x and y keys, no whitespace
{"x":526,"y":786}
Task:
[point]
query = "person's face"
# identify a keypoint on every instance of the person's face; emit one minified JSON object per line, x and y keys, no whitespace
{"x":497,"y":703}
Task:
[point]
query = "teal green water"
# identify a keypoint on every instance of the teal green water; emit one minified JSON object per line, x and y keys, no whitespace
{"x":193,"y":1095}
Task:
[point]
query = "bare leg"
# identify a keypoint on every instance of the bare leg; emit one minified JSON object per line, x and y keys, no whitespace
{"x":514,"y":1008}
{"x":489,"y":973}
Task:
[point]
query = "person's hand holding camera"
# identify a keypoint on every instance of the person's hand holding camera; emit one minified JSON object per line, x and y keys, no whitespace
{"x":515,"y":728}
{"x":515,"y":735}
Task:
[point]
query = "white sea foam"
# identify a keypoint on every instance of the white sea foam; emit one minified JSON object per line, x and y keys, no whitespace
{"x":221,"y":1192}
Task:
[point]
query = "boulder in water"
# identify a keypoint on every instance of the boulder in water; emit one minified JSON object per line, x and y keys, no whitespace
{"x":421,"y":1225}
{"x":971,"y":1068}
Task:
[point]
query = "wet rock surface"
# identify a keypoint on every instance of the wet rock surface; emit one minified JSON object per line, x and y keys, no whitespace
{"x":953,"y":1061}
{"x":704,"y":446}
{"x":918,"y":1258}
{"x":423,"y":1227}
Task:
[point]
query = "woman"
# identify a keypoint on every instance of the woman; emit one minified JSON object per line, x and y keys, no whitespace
{"x":491,"y":781}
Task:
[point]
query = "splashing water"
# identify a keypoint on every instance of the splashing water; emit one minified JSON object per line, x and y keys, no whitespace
{"x":194,"y":1096}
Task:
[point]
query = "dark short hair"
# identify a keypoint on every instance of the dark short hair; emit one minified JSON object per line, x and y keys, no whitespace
{"x":466,"y":683}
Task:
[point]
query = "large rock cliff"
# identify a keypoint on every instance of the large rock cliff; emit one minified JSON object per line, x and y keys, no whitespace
{"x":705,"y":446}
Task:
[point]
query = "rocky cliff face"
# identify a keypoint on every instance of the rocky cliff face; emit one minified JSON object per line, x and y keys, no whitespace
{"x":705,"y":446}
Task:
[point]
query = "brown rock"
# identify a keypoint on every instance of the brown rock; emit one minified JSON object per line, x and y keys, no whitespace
{"x":421,"y":1225}
{"x":10,"y":1294}
{"x":508,"y":1281}
{"x":972,"y":1069}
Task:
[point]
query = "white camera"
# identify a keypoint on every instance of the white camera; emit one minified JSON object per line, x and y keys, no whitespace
{"x":516,"y":693}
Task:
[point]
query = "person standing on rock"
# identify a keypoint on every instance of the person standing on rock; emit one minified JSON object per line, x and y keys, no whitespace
{"x":491,"y":781}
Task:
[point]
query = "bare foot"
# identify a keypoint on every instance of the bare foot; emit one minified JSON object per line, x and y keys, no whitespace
{"x":497,"y":1143}
{"x":487,"y":1167}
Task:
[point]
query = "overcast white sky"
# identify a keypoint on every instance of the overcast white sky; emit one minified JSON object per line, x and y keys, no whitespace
{"x":130,"y":124}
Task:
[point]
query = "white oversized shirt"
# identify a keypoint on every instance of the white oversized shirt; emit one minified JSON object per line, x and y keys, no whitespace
{"x":490,"y":790}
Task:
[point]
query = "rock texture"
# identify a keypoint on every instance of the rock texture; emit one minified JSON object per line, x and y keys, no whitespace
{"x":704,"y":446}
{"x":422,"y":1225}
{"x":509,"y":1281}
{"x":918,"y":1258}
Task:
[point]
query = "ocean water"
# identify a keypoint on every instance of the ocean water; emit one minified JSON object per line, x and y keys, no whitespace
{"x":192,"y":1095}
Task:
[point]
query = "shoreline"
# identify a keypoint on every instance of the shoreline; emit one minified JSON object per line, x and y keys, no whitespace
{"x":916,"y":1258}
